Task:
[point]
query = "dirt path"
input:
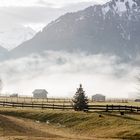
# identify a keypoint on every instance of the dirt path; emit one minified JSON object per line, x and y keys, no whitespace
{"x":12,"y":128}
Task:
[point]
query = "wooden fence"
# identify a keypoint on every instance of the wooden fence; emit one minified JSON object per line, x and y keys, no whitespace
{"x":35,"y":100}
{"x":106,"y":108}
{"x":58,"y":100}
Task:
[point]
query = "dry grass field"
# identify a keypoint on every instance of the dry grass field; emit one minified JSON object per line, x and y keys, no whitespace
{"x":23,"y":124}
{"x":13,"y":128}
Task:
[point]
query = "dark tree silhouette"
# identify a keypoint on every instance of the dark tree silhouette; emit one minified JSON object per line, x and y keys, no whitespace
{"x":138,"y":86}
{"x":80,"y":100}
{"x":1,"y":85}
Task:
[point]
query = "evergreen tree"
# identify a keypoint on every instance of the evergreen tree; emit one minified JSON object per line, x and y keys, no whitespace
{"x":80,"y":100}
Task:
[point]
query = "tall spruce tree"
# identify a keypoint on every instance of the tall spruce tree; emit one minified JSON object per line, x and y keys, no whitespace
{"x":80,"y":100}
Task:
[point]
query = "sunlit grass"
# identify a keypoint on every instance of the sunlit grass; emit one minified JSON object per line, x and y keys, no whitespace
{"x":109,"y":125}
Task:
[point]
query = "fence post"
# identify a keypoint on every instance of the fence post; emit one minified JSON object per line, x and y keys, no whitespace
{"x":72,"y":106}
{"x":3,"y":103}
{"x":131,"y":109}
{"x":112,"y":108}
{"x":53,"y":106}
{"x":32,"y":104}
{"x":22,"y":105}
{"x":106,"y":108}
{"x":125,"y":108}
{"x":42,"y":105}
{"x":13,"y":104}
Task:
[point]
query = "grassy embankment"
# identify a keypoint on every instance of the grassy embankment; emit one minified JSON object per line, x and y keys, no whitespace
{"x":109,"y":125}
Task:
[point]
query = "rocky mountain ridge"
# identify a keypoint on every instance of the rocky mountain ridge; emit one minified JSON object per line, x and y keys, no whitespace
{"x":112,"y":28}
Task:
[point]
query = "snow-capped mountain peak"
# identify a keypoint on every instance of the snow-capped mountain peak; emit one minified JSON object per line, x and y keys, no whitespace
{"x":120,"y":6}
{"x":112,"y":28}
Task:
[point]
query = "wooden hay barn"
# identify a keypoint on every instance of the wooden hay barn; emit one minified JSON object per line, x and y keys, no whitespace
{"x":40,"y":94}
{"x":98,"y":98}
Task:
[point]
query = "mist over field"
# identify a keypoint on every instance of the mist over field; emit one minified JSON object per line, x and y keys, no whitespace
{"x":60,"y":73}
{"x":70,"y":69}
{"x":103,"y":27}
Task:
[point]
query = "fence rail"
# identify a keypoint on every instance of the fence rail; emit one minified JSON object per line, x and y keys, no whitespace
{"x":52,"y":100}
{"x":35,"y":100}
{"x":119,"y":108}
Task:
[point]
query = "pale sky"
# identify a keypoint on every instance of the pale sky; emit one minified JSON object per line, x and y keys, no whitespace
{"x":38,"y":13}
{"x":44,"y":3}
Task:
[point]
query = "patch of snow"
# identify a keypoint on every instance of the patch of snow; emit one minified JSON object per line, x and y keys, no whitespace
{"x":80,"y":18}
{"x":129,"y":37}
{"x":124,"y":34}
{"x":105,"y":10}
{"x":57,"y":21}
{"x":131,"y":2}
{"x":119,"y":6}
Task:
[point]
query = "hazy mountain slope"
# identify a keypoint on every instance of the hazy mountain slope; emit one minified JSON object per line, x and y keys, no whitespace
{"x":112,"y":28}
{"x":12,"y":37}
{"x":4,"y":54}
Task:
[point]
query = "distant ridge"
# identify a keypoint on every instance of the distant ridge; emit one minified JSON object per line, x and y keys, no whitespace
{"x":4,"y":54}
{"x":112,"y":28}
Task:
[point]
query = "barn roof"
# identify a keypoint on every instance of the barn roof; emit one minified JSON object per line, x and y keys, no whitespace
{"x":39,"y":91}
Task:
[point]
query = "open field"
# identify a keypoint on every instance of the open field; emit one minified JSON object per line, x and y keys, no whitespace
{"x":17,"y":124}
